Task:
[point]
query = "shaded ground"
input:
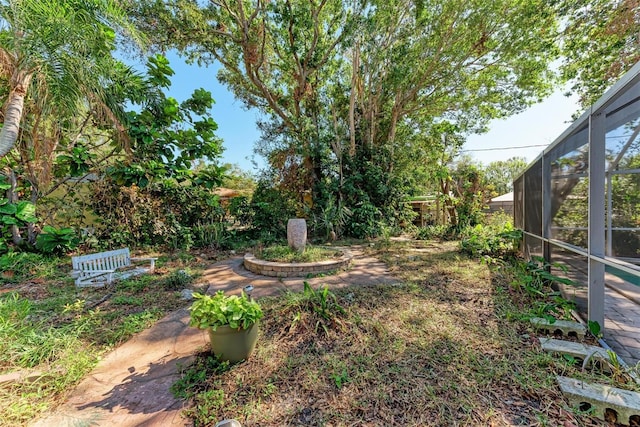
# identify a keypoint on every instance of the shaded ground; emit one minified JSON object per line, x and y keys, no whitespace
{"x":130,"y":387}
{"x":430,"y":337}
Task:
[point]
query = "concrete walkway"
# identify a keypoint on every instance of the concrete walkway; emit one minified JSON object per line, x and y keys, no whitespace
{"x":622,"y":319}
{"x":130,"y":386}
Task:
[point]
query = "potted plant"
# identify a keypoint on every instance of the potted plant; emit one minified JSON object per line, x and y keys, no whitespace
{"x":232,"y":322}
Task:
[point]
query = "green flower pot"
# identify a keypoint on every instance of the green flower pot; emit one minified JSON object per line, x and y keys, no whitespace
{"x":233,"y":345}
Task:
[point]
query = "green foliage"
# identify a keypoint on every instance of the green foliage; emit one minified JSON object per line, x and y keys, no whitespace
{"x":238,"y":179}
{"x":214,"y":235}
{"x":470,"y":193}
{"x":314,"y":309}
{"x":240,"y":210}
{"x":56,"y":241}
{"x":237,"y":312}
{"x":22,"y":266}
{"x":167,"y":136}
{"x":357,"y":136}
{"x":271,"y":208}
{"x":283,"y":253}
{"x":331,"y":220}
{"x":500,"y":174}
{"x":27,"y":342}
{"x":163,"y":213}
{"x":372,"y":193}
{"x":340,"y":378}
{"x":129,"y":325}
{"x":429,"y":232}
{"x":497,"y":239}
{"x":194,"y":378}
{"x":535,"y":279}
{"x":598,"y":44}
{"x":127,"y":300}
{"x":18,"y":214}
{"x":177,"y":280}
{"x":594,"y":328}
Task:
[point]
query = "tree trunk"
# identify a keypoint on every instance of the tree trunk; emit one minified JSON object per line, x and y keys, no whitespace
{"x":12,"y":195}
{"x":13,"y":113}
{"x":355,"y":69}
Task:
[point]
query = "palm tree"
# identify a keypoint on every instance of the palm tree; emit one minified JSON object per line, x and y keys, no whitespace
{"x":58,"y":51}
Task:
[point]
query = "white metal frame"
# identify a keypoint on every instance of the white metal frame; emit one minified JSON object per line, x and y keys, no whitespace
{"x":598,"y":253}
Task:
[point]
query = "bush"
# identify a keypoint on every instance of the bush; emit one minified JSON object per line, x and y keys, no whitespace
{"x":271,"y":210}
{"x":240,"y":210}
{"x":160,"y":214}
{"x":430,"y":232}
{"x":215,"y":235}
{"x":365,"y":221}
{"x":497,"y":239}
{"x":177,"y":281}
{"x":56,"y":241}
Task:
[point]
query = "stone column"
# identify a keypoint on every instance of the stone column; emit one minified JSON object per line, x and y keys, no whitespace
{"x":297,"y":234}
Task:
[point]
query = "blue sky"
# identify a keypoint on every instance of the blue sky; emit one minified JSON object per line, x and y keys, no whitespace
{"x":236,"y":126}
{"x":541,"y":124}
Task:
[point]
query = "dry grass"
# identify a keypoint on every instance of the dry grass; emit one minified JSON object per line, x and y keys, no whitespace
{"x":433,"y":351}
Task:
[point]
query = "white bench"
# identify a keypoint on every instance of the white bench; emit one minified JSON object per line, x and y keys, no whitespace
{"x":101,"y":268}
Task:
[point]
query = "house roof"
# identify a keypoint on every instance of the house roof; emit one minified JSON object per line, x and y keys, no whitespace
{"x":507,"y":197}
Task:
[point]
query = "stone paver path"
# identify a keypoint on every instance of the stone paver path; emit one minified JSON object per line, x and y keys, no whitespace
{"x":622,"y":320}
{"x":130,"y":386}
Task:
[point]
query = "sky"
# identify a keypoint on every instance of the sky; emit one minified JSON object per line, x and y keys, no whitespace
{"x":236,"y":126}
{"x":539,"y":125}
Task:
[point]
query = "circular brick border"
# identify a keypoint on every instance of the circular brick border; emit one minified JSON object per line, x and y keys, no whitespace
{"x":301,"y":269}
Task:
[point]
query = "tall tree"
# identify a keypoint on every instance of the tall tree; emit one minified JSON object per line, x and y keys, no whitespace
{"x":337,"y":79}
{"x":501,"y":173}
{"x":57,"y":49}
{"x":600,"y":42}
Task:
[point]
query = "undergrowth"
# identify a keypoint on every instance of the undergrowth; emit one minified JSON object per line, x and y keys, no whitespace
{"x":286,"y":254}
{"x":447,"y":346}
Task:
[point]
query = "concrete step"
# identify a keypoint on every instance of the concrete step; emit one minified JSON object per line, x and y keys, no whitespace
{"x":606,"y":402}
{"x":594,"y":356}
{"x":563,"y":327}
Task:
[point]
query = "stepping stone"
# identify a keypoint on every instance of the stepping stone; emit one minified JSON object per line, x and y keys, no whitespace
{"x":608,"y":403}
{"x":577,"y":350}
{"x":563,"y":326}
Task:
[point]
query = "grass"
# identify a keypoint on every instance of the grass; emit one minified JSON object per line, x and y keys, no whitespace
{"x":49,"y":326}
{"x":284,"y":253}
{"x":434,"y":350}
{"x":449,"y":345}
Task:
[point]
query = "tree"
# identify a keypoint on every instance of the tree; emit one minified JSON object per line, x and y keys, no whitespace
{"x":501,"y":173}
{"x":599,"y":43}
{"x":59,"y":50}
{"x":166,"y":137}
{"x":334,"y":79}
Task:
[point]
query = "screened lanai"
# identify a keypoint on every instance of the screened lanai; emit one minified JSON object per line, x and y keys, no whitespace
{"x":578,"y":203}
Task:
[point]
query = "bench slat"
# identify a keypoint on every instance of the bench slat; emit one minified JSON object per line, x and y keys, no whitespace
{"x":88,"y":268}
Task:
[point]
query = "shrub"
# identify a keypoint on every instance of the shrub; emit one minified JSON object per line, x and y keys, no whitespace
{"x":240,"y":210}
{"x":177,"y":281}
{"x":57,"y":241}
{"x":496,"y":240}
{"x":161,"y":214}
{"x":271,"y":210}
{"x":365,"y":221}
{"x":215,"y":235}
{"x":429,"y":232}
